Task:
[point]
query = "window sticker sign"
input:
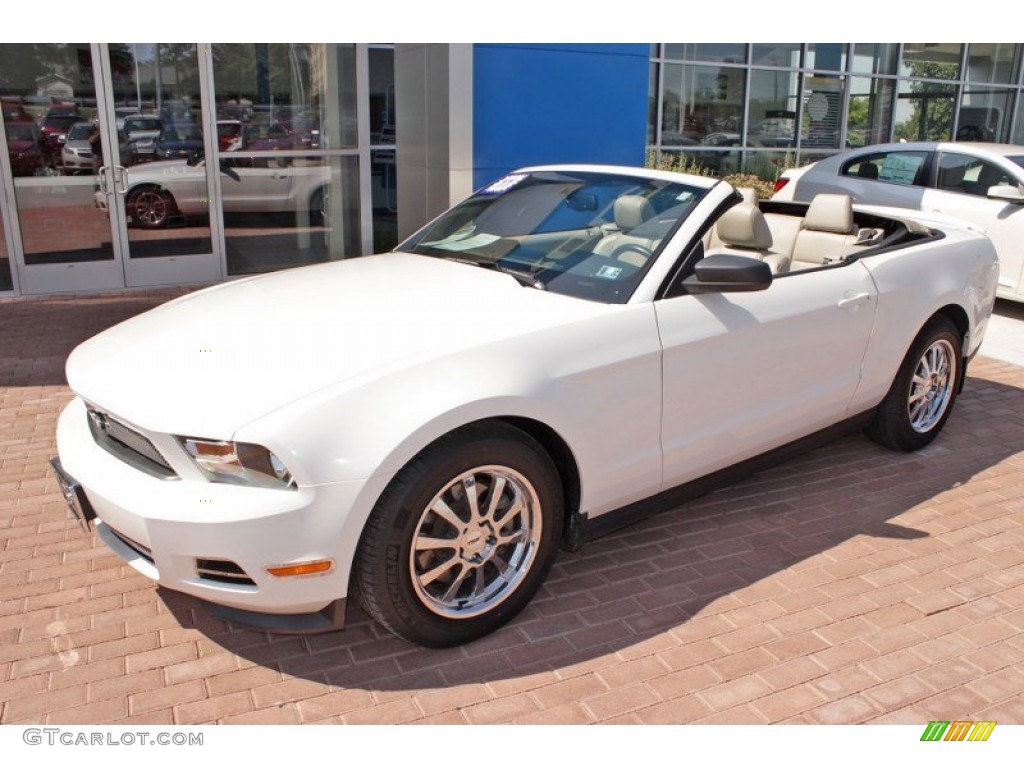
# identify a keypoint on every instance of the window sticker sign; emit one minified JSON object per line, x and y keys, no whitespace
{"x":900,"y":168}
{"x":504,"y":184}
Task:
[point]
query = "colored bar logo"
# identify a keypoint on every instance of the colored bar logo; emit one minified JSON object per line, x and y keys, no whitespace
{"x":958,"y":730}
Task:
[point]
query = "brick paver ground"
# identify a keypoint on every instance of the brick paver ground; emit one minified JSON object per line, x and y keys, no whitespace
{"x":850,"y":585}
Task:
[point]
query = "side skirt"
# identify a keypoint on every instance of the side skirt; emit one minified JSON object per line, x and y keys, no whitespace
{"x":587,"y":528}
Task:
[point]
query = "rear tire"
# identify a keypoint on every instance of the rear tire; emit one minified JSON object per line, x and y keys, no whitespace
{"x":462,"y":537}
{"x":921,"y":397}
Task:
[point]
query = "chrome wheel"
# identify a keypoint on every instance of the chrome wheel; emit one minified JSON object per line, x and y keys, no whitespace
{"x":149,"y":208}
{"x":475,"y":542}
{"x":931,"y":387}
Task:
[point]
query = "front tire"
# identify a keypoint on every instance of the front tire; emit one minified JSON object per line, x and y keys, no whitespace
{"x":921,"y":397}
{"x":462,"y":537}
{"x":150,"y":207}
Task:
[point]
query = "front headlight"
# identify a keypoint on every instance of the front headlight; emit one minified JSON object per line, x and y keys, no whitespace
{"x":238,"y":463}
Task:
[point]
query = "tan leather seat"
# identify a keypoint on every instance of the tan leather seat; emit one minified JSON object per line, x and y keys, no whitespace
{"x":630,"y":212}
{"x":827,"y":233}
{"x":749,"y":196}
{"x":743,"y":231}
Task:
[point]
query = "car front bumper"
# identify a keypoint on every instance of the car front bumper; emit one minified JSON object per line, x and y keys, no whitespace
{"x":216,"y":541}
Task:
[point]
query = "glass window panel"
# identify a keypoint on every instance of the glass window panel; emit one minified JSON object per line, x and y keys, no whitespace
{"x":47,"y":90}
{"x":702,"y":105}
{"x":769,"y":164}
{"x":288,"y":211}
{"x":938,"y":60}
{"x":285,"y":95}
{"x":992,"y":62}
{"x":725,"y":53}
{"x":702,"y":162}
{"x":826,"y":56}
{"x":1018,"y":131}
{"x":652,"y":104}
{"x":870,"y":111}
{"x":777,"y":55}
{"x":813,"y":156}
{"x":984,"y":115}
{"x":6,"y":283}
{"x":924,"y":111}
{"x":969,"y":175}
{"x":902,"y":166}
{"x":772,"y":109}
{"x":382,"y":95}
{"x":157,"y":103}
{"x":875,"y":58}
{"x":384,"y":192}
{"x":821,"y":121}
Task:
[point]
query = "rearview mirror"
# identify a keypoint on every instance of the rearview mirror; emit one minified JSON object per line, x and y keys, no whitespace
{"x":582,"y":201}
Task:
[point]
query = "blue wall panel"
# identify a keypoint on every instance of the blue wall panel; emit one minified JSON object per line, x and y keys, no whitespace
{"x":572,"y":103}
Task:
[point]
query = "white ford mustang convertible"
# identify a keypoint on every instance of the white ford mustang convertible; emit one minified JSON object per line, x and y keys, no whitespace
{"x":569,"y":348}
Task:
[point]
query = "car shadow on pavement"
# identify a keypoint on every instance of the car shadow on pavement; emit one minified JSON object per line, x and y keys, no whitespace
{"x":672,"y":579}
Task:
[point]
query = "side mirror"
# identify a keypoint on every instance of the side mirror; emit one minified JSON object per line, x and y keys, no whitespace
{"x":728,"y":273}
{"x":1006,"y":193}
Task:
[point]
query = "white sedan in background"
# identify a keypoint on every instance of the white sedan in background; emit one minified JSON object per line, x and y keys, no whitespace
{"x":569,"y":348}
{"x":977,"y":182}
{"x":161,"y":193}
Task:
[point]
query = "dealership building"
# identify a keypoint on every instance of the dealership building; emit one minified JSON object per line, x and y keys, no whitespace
{"x":132,"y":165}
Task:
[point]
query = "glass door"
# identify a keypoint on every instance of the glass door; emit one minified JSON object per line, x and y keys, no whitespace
{"x":62,"y":240}
{"x":105,"y":165}
{"x":158,"y":187}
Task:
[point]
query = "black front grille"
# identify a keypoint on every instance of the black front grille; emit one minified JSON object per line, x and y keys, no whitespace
{"x":128,"y":445}
{"x":140,"y":549}
{"x":223,"y":572}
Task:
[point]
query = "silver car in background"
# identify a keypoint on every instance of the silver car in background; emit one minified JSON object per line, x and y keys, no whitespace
{"x":77,"y":155}
{"x":980,"y":183}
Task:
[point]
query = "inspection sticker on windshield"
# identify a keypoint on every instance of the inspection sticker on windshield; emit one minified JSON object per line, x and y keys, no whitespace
{"x":504,"y":185}
{"x":609,"y":273}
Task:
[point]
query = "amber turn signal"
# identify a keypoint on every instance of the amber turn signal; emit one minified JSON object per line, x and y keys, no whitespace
{"x":302,"y":569}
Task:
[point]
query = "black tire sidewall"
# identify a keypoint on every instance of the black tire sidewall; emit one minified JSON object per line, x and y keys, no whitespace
{"x":383,"y":571}
{"x":892,"y":426}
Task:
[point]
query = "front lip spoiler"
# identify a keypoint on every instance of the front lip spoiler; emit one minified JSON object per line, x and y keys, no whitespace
{"x":328,"y":619}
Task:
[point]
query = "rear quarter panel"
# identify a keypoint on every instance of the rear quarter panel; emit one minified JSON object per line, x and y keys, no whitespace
{"x":916,"y":282}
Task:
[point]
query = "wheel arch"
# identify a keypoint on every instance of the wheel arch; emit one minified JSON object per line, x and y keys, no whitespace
{"x":550,"y":439}
{"x":958,"y":316}
{"x":568,"y":471}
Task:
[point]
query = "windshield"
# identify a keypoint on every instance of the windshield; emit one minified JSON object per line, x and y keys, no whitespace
{"x":1017,"y":160}
{"x":60,"y":121}
{"x":80,"y":131}
{"x":142,"y":124}
{"x":584,"y":234}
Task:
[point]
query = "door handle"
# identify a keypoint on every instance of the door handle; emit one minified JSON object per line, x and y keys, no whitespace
{"x":121,"y":177}
{"x":854,"y":301}
{"x":102,"y":173}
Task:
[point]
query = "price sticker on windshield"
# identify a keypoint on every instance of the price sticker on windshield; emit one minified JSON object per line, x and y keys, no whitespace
{"x":504,"y":184}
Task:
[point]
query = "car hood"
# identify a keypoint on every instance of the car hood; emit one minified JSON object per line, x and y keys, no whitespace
{"x":209,"y":363}
{"x":20,"y":145}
